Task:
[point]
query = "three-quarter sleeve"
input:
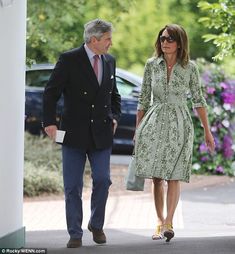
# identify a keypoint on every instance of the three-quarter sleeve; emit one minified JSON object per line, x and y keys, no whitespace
{"x":197,"y":97}
{"x":145,"y":93}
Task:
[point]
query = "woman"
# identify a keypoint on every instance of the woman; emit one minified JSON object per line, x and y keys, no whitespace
{"x":164,"y":137}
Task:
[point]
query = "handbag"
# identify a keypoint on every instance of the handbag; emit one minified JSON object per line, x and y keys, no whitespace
{"x":133,"y":182}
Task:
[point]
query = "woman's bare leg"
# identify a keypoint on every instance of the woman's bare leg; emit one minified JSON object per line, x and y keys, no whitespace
{"x":172,"y":199}
{"x":158,"y":193}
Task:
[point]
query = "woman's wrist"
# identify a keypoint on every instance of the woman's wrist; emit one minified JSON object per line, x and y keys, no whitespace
{"x":207,"y":130}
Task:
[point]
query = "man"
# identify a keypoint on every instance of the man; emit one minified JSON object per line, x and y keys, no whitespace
{"x":85,"y":76}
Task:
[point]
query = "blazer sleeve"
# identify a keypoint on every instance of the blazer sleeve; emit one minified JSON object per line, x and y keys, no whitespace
{"x":53,"y":91}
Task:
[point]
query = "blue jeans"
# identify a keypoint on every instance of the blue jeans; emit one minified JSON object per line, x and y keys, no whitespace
{"x":74,"y":160}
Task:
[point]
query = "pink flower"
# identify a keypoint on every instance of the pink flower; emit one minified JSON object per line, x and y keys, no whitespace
{"x":219,"y":169}
{"x":228,"y":98}
{"x":224,"y":85}
{"x":227,"y":147}
{"x":203,"y":148}
{"x":210,"y":90}
{"x":204,"y":159}
{"x":217,"y":143}
{"x":206,"y":76}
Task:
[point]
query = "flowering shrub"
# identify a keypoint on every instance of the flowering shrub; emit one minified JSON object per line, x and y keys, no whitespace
{"x":220,"y":96}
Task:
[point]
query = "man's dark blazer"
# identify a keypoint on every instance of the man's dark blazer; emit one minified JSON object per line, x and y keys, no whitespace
{"x":89,"y":108}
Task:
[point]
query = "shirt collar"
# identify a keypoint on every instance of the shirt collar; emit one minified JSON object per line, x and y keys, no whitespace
{"x":89,"y":52}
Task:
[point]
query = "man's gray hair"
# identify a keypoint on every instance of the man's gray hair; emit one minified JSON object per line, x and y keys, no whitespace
{"x":97,"y":28}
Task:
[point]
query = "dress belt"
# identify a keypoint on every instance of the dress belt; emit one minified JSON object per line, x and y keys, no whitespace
{"x":181,"y":103}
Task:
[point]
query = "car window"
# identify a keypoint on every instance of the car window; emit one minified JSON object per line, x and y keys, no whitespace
{"x":125,"y":88}
{"x":38,"y":78}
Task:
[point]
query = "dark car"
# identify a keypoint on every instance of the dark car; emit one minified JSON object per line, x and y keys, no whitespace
{"x":128,"y":86}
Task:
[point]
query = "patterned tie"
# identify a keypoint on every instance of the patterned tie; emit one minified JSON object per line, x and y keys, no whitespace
{"x":95,"y":65}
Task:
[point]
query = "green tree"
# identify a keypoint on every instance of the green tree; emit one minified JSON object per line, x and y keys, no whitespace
{"x":136,"y":34}
{"x":186,"y":13}
{"x":52,"y":27}
{"x":56,"y":26}
{"x":220,"y":16}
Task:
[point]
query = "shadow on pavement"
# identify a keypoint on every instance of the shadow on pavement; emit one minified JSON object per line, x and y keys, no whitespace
{"x":130,"y":241}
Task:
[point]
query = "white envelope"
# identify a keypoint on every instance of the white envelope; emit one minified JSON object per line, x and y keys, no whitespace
{"x":59,"y":137}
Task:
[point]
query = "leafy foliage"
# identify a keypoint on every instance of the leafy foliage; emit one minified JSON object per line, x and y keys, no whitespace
{"x":42,"y":151}
{"x":38,"y":180}
{"x":220,"y":96}
{"x":42,"y":167}
{"x":57,"y":26}
{"x":186,"y":13}
{"x":220,"y":15}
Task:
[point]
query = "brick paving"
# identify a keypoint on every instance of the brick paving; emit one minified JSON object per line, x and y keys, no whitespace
{"x":125,"y":209}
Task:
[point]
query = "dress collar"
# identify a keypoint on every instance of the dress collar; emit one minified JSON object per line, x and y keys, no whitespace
{"x":160,"y":59}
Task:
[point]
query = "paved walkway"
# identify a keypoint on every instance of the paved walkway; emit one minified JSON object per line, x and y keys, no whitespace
{"x":130,"y":220}
{"x":125,"y":209}
{"x":122,"y":212}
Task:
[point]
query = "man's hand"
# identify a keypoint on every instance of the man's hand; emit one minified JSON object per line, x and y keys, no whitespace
{"x":115,"y":124}
{"x":51,"y":131}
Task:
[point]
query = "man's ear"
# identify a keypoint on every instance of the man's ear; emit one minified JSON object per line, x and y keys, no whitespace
{"x":93,"y":39}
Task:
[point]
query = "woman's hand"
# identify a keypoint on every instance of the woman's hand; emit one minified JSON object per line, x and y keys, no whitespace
{"x":210,"y":143}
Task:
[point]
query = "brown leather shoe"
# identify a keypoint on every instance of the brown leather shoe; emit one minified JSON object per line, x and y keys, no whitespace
{"x":74,"y":243}
{"x":98,"y":234}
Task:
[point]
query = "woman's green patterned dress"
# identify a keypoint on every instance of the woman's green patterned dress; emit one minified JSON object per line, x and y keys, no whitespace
{"x":164,"y":137}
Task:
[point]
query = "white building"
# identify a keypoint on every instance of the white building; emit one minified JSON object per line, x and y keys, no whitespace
{"x":12,"y":76}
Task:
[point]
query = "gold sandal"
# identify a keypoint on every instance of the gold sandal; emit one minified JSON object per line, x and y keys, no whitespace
{"x":168,"y":232}
{"x":158,"y":235}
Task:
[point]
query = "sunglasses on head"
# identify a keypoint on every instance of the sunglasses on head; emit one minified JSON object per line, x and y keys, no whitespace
{"x":169,"y":39}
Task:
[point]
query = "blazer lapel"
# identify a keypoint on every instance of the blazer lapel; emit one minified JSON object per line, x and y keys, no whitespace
{"x":88,"y":71}
{"x":87,"y":68}
{"x":106,"y":71}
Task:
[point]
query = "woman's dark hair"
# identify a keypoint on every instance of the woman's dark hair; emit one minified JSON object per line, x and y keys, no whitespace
{"x":181,"y":38}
